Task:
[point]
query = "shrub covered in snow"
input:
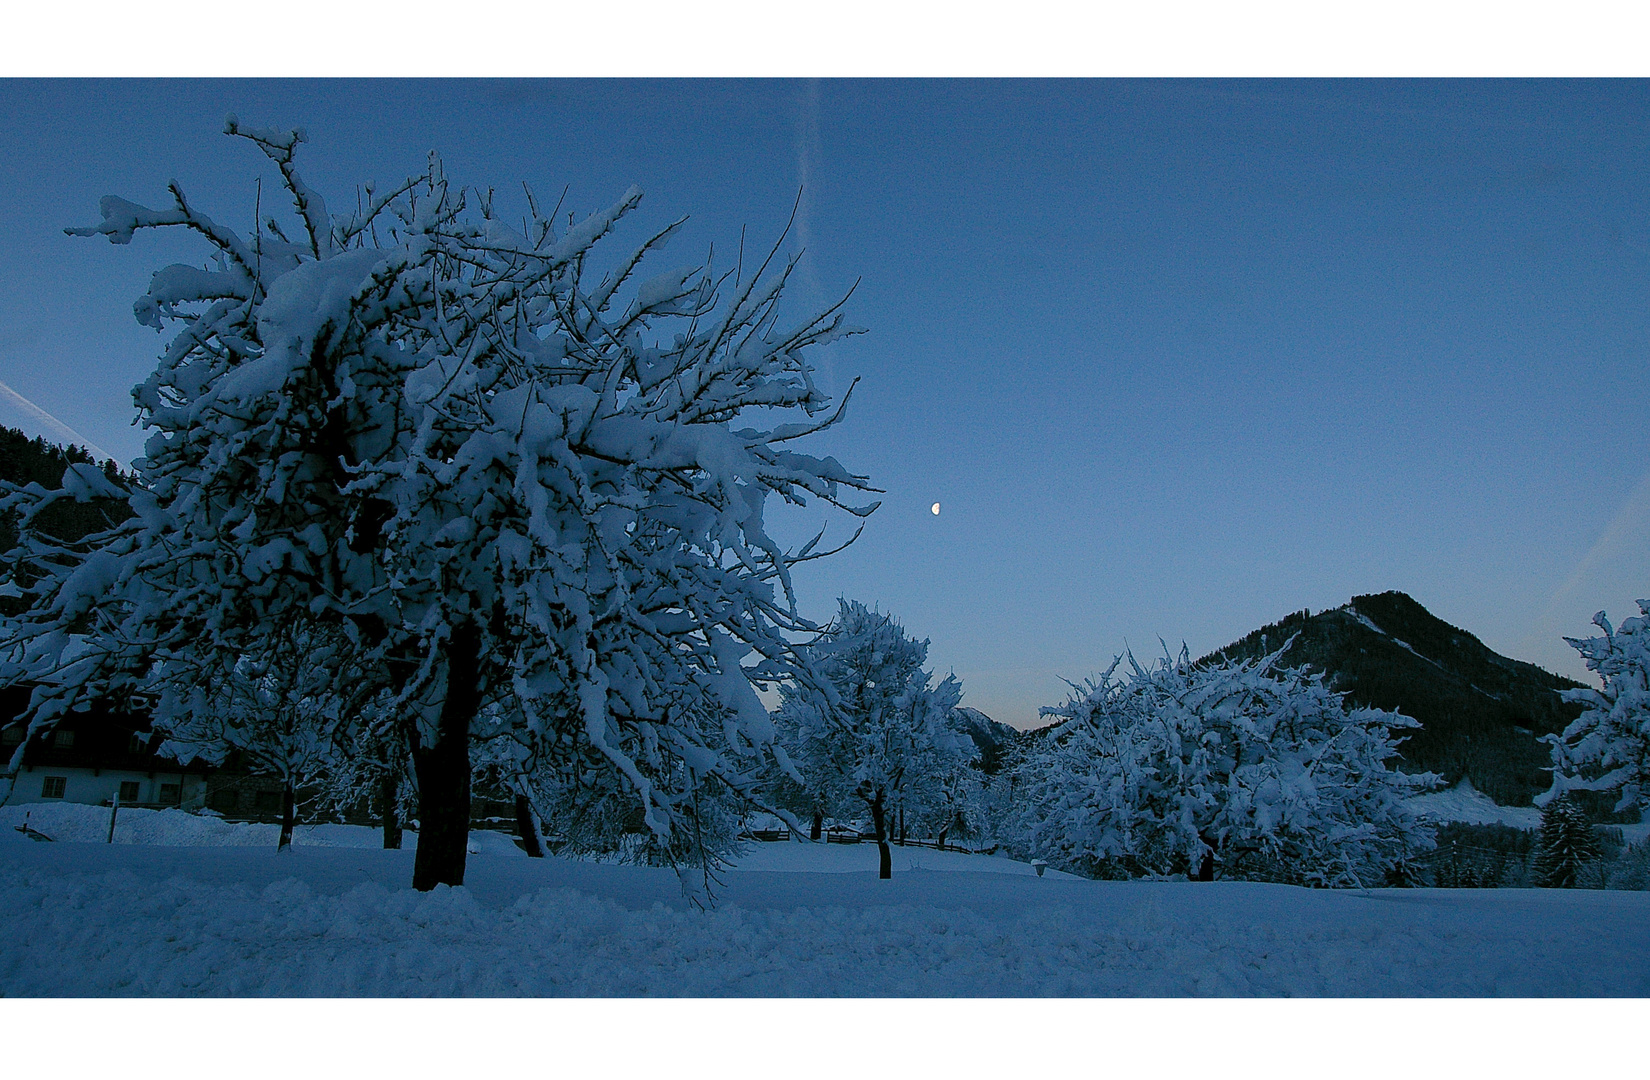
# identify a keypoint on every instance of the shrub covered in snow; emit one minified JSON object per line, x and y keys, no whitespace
{"x":1234,"y":770}
{"x":1631,"y":869}
{"x":1607,"y":747}
{"x":507,"y":491}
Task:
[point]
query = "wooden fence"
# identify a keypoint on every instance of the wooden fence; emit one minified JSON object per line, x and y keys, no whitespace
{"x":848,"y":836}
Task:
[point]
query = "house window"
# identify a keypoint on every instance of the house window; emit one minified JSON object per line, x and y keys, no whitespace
{"x":224,"y":800}
{"x":128,"y":791}
{"x":12,"y":736}
{"x":63,"y":740}
{"x":268,"y":802}
{"x":171,"y":794}
{"x":52,"y":787}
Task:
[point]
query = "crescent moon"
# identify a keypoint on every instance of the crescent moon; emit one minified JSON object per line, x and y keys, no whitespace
{"x":935,"y":509}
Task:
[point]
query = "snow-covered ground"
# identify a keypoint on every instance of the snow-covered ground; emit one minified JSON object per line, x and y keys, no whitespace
{"x":860,"y":858}
{"x":99,"y":919}
{"x":80,"y":823}
{"x":1467,"y":804}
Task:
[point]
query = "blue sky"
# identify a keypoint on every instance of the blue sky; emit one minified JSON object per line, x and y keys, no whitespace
{"x":1177,"y":358}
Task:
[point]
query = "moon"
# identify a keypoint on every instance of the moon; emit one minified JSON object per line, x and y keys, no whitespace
{"x":935,"y":509}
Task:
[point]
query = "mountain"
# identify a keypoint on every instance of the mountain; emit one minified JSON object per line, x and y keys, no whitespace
{"x":1481,"y":713}
{"x":992,"y":738}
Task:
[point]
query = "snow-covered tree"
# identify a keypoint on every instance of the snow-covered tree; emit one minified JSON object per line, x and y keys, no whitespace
{"x":500,"y":477}
{"x":1607,"y":747}
{"x":878,"y":738}
{"x":279,"y":711}
{"x":369,"y":768}
{"x":954,"y":806}
{"x":1567,"y":844}
{"x":1237,"y":769}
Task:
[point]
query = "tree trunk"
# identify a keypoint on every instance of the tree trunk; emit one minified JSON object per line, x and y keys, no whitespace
{"x":942,"y":838}
{"x":389,"y":786}
{"x":819,"y":825}
{"x":444,"y":769}
{"x":1206,"y":864}
{"x":289,"y":815}
{"x":880,"y":820}
{"x":529,"y":831}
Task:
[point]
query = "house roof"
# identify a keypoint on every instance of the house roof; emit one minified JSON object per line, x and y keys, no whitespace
{"x":100,"y":738}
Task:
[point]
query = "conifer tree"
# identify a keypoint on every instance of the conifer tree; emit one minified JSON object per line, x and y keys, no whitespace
{"x":1568,"y":842}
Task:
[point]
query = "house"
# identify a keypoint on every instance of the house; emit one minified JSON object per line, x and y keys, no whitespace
{"x":94,"y":756}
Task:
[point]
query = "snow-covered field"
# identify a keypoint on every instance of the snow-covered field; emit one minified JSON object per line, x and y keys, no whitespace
{"x":1465,"y":803}
{"x":95,"y":919}
{"x":80,"y":823}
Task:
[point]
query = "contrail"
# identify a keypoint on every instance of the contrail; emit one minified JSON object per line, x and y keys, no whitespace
{"x":38,"y":418}
{"x":807,"y":148}
{"x":1628,"y":522}
{"x":807,"y":152}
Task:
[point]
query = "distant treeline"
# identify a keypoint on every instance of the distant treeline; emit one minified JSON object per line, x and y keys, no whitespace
{"x":25,"y":460}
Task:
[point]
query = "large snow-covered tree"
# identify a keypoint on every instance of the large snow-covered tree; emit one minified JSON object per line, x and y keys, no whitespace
{"x":1237,"y":769}
{"x":879,"y":738}
{"x":513,"y":482}
{"x":1607,"y":747}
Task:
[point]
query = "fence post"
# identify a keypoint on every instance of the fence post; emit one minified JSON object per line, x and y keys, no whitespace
{"x":114,"y":809}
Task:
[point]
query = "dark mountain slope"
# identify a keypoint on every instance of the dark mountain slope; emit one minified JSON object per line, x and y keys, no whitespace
{"x":1481,"y":713}
{"x":993,"y":739}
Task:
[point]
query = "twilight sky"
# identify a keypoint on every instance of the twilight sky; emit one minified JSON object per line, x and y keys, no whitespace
{"x":1176,"y":358}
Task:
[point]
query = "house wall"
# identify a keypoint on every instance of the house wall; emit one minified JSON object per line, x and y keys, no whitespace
{"x":97,"y":786}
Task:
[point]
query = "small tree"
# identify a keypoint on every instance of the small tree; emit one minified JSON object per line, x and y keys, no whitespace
{"x":1568,"y":843}
{"x":878,"y":735}
{"x":1607,"y":747}
{"x":371,"y":769}
{"x":1235,"y":768}
{"x":497,"y":478}
{"x":278,"y":711}
{"x":954,"y":806}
